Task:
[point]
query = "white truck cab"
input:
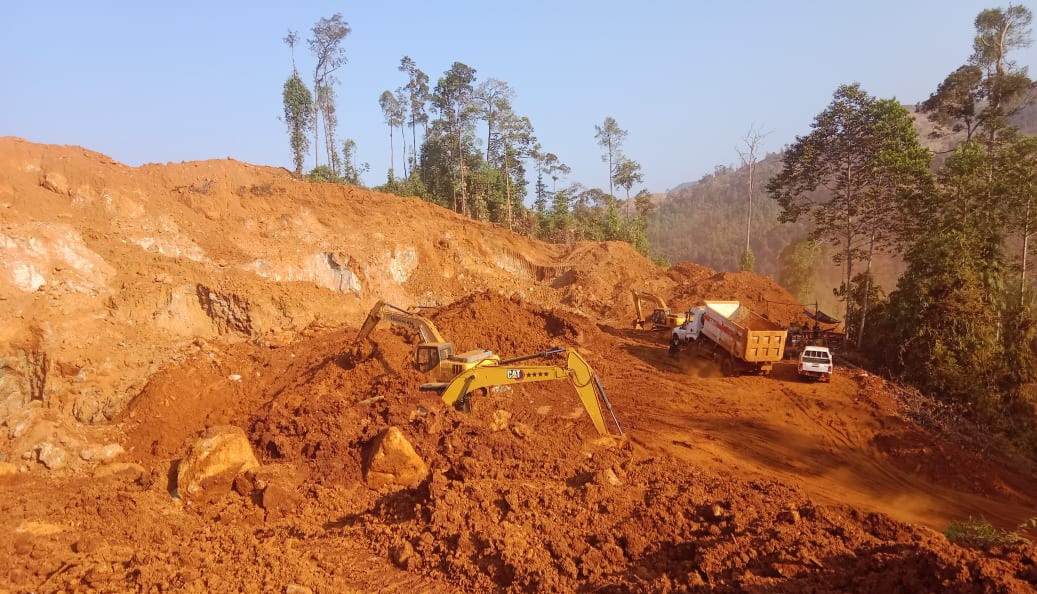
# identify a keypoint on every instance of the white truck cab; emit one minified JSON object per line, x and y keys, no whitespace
{"x":689,"y":331}
{"x":816,"y":362}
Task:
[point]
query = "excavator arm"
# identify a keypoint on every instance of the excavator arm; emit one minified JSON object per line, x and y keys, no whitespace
{"x":510,"y":372}
{"x":401,"y":317}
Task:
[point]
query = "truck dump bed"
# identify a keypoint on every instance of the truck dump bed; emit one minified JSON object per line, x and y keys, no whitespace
{"x":744,"y":334}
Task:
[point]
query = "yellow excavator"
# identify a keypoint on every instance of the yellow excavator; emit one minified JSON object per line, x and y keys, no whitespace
{"x":457,"y":377}
{"x":490,"y":373}
{"x":434,"y":355}
{"x":661,"y":315}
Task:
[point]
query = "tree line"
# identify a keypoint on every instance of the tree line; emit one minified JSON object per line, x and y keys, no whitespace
{"x":960,"y":322}
{"x":461,"y":144}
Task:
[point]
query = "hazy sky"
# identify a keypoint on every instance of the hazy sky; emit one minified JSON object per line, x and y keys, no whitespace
{"x":179,"y":81}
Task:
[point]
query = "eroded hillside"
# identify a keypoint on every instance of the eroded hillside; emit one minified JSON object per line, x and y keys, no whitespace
{"x":151,"y":312}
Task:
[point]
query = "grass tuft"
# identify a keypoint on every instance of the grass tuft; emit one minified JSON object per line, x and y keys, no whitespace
{"x":979,"y":533}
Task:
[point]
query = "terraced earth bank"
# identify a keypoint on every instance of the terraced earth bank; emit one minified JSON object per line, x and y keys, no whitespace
{"x":180,"y":411}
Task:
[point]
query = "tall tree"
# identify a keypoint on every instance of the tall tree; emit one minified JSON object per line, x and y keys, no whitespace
{"x":955,"y":103}
{"x":628,"y":174}
{"x":610,"y":137}
{"x":516,"y":143}
{"x":947,"y":305}
{"x":1017,"y":184}
{"x":417,"y":93}
{"x":452,"y":98}
{"x":865,"y":153}
{"x":401,"y":120}
{"x":494,"y":98}
{"x":326,"y":45}
{"x":298,"y":108}
{"x":393,"y":117}
{"x":351,"y":170}
{"x":998,"y":32}
{"x":750,"y":156}
{"x":298,"y":116}
{"x":326,"y":101}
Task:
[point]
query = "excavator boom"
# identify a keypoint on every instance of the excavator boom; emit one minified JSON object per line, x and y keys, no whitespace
{"x":399,"y":316}
{"x":510,"y":372}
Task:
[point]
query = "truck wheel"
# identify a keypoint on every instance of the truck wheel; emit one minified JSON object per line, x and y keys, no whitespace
{"x":727,"y":367}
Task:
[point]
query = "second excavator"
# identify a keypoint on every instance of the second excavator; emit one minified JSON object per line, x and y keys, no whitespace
{"x":662,"y":317}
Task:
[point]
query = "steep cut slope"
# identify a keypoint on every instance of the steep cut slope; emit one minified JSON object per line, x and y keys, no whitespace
{"x":109,"y":272}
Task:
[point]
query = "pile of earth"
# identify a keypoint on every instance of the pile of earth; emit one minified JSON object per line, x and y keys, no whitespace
{"x":521,"y":495}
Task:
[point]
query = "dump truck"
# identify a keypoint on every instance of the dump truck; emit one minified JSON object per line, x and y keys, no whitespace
{"x":742,"y":341}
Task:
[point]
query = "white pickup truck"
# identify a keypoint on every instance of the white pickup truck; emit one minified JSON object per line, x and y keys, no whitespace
{"x":815,"y":362}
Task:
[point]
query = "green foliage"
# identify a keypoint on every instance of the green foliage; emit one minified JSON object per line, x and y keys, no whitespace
{"x":329,"y":56}
{"x":798,"y":260}
{"x":981,"y":533}
{"x":1019,"y":361}
{"x":298,"y":116}
{"x":351,"y":170}
{"x":610,"y":137}
{"x":861,"y":285}
{"x":946,"y":309}
{"x":954,"y":104}
{"x":865,"y":152}
{"x":323,"y":174}
{"x":746,"y":261}
{"x":410,"y":186}
{"x":628,"y":174}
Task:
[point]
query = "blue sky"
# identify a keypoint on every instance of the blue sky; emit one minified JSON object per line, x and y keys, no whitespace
{"x":160,"y":81}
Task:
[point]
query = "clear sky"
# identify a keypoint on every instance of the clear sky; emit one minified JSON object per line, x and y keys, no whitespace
{"x":180,"y":81}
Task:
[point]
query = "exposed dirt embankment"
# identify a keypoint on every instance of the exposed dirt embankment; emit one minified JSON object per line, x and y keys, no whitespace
{"x":114,"y":272}
{"x":151,"y":310}
{"x":520,"y":495}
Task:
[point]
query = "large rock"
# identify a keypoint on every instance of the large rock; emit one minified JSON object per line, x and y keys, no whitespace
{"x":216,"y":458}
{"x":392,"y":461}
{"x":52,"y":456}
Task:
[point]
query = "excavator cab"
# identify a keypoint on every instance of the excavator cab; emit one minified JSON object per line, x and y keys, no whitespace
{"x":428,"y":356}
{"x":660,"y":315}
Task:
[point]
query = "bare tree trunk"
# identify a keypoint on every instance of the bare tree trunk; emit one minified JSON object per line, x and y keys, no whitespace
{"x":460,"y":159}
{"x":507,"y":186}
{"x":316,"y":125}
{"x":749,"y":158}
{"x":403,"y":138}
{"x":1026,"y":248}
{"x":749,"y":213}
{"x":414,"y":141}
{"x":867,"y":292}
{"x":392,"y":155}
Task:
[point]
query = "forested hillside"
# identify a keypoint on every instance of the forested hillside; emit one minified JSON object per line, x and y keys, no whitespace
{"x":705,"y":221}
